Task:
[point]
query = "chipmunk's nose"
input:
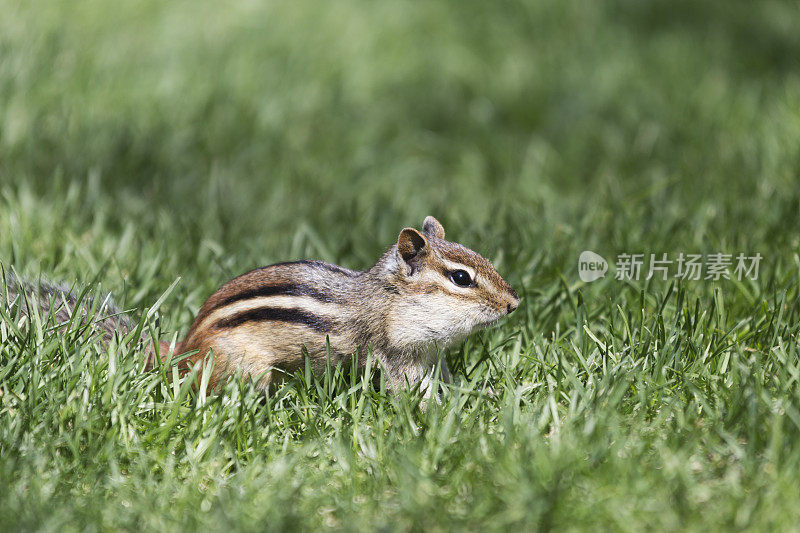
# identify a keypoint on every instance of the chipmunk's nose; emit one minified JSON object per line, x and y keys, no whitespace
{"x":513,"y":304}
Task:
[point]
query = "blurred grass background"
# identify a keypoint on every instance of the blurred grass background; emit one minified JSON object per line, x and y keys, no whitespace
{"x":199,"y":140}
{"x":537,"y":126}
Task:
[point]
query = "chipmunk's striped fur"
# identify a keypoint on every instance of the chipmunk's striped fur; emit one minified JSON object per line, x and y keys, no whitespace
{"x":423,"y":294}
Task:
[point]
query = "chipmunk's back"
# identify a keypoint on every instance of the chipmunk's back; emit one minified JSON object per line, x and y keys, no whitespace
{"x":261,"y":322}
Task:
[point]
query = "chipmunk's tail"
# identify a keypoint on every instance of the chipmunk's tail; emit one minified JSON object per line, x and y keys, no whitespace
{"x":21,"y":298}
{"x":67,"y":306}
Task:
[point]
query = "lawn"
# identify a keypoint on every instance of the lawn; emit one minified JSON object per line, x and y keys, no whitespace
{"x":148,"y":143}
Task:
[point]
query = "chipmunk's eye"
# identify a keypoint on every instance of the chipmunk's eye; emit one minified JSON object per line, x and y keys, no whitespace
{"x":461,"y":278}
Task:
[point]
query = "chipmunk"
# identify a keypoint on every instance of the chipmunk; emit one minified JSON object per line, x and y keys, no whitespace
{"x":422,"y":295}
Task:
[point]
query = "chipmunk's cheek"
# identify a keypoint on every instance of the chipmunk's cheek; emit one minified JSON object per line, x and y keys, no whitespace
{"x":477,"y":317}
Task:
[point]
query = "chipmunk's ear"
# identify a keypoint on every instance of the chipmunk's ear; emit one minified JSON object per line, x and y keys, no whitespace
{"x":412,"y":245}
{"x":432,"y":228}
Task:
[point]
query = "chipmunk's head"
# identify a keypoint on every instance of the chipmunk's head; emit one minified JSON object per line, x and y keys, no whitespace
{"x":446,"y":290}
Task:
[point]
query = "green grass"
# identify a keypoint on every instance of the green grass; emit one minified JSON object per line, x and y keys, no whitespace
{"x":143,"y":142}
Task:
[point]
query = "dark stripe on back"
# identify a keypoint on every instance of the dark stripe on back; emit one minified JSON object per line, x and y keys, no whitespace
{"x":263,"y":314}
{"x":288,"y":289}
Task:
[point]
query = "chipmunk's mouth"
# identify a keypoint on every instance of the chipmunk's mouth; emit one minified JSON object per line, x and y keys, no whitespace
{"x":488,"y":322}
{"x":492,"y":319}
